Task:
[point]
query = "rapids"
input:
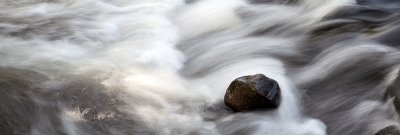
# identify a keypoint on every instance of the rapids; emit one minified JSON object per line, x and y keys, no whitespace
{"x":161,"y":67}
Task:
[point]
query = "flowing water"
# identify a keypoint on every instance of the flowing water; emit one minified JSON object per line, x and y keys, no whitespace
{"x":127,"y":67}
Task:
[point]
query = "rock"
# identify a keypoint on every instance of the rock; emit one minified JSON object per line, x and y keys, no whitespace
{"x":252,"y":92}
{"x":390,"y":130}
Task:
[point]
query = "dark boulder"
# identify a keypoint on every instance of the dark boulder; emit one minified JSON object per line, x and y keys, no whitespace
{"x":390,"y":130}
{"x":252,"y":92}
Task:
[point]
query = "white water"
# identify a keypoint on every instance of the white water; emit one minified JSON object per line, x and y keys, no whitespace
{"x":160,"y":53}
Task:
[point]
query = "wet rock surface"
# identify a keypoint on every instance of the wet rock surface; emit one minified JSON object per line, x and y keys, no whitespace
{"x":252,"y":92}
{"x":390,"y":130}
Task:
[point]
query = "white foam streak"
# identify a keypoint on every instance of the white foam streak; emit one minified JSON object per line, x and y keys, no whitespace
{"x":132,"y":45}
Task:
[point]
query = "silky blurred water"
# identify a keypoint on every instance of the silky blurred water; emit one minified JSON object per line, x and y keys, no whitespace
{"x":162,"y":66}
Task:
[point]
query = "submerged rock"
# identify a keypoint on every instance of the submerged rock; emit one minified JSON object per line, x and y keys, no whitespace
{"x":252,"y":92}
{"x":390,"y":130}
